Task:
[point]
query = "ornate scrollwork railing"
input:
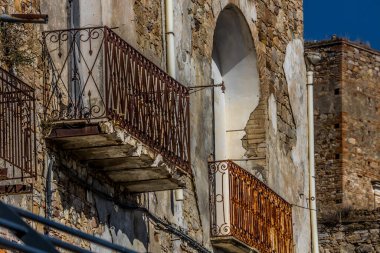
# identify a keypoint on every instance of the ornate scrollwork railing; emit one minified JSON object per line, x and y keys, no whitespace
{"x":73,"y":74}
{"x":92,"y":73}
{"x":17,"y":128}
{"x":245,"y":208}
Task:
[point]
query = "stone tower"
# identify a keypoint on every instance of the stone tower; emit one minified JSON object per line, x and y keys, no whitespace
{"x":347,"y":145}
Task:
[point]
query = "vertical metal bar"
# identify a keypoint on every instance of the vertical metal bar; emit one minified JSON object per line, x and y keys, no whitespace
{"x":106,"y":63}
{"x":34,"y":141}
{"x":187,"y":117}
{"x":17,"y":126}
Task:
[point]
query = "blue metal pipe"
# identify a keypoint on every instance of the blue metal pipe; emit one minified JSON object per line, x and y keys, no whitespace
{"x":26,"y":234}
{"x":71,"y":231}
{"x":19,"y":247}
{"x":17,"y":228}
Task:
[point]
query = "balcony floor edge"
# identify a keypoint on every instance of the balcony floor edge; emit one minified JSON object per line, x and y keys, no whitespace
{"x":232,"y":245}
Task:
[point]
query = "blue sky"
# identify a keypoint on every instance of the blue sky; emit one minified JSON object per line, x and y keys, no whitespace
{"x":358,"y":20}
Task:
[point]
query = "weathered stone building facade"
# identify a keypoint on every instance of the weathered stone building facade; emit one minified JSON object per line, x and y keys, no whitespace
{"x":100,"y":175}
{"x":347,"y":145}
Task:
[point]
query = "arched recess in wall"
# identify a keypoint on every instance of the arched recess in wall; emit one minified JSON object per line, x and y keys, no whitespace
{"x":234,"y":62}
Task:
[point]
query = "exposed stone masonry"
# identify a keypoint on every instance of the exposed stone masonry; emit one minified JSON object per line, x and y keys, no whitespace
{"x":351,"y":231}
{"x":347,"y":123}
{"x":347,"y":144}
{"x":328,"y":125}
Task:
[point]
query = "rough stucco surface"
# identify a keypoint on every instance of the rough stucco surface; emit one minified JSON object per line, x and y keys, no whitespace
{"x":275,"y":133}
{"x":295,"y":69}
{"x":272,"y":111}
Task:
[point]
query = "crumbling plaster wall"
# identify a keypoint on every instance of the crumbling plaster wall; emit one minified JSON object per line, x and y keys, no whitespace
{"x":273,"y":25}
{"x":297,"y":169}
{"x":276,"y":135}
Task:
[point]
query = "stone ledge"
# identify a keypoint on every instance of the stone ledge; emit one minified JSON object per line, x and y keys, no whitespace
{"x":113,"y":152}
{"x":230,"y":244}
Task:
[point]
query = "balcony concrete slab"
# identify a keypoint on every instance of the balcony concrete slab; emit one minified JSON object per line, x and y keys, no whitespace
{"x":85,"y":141}
{"x":139,"y":174}
{"x":154,"y":185}
{"x":121,"y":163}
{"x":113,"y":152}
{"x":230,"y":244}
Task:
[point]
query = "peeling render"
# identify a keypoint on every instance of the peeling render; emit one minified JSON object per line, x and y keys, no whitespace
{"x":272,"y":111}
{"x":295,"y":69}
{"x":295,"y":72}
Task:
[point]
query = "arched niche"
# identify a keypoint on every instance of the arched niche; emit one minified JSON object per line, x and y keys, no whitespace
{"x":234,"y":62}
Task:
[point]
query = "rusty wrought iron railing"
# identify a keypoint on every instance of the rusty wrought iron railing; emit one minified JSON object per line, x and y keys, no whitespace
{"x":245,"y":208}
{"x":17,"y":128}
{"x":92,"y":73}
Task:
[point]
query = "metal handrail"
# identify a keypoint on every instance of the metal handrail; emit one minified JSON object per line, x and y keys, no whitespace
{"x":92,"y":73}
{"x":35,"y":242}
{"x":245,"y":208}
{"x":17,"y":127}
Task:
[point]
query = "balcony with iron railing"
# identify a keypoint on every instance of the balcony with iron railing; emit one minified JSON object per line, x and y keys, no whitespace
{"x":17,"y":129}
{"x":115,"y":110}
{"x":246,"y":215}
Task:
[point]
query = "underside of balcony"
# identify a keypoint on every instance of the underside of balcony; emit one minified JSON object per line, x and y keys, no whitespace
{"x":230,"y":244}
{"x":114,"y":153}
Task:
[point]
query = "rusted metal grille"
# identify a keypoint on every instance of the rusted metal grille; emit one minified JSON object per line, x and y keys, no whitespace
{"x":17,"y":128}
{"x":92,"y":73}
{"x":245,"y":208}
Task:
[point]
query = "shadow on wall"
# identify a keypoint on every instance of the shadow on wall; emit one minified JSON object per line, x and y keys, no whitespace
{"x":75,"y":200}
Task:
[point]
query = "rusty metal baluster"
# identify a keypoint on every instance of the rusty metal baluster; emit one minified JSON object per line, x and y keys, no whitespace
{"x":2,"y":103}
{"x":20,"y":144}
{"x":259,"y":217}
{"x":33,"y":152}
{"x":17,"y":127}
{"x":232,"y":191}
{"x":106,"y":72}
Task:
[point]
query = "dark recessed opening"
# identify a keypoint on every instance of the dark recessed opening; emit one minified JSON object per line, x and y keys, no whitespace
{"x":337,"y":125}
{"x":337,"y":91}
{"x":337,"y":156}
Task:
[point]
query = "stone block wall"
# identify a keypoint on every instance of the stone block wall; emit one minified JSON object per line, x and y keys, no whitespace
{"x":347,"y":124}
{"x":361,"y":125}
{"x":328,"y":126}
{"x":352,"y":231}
